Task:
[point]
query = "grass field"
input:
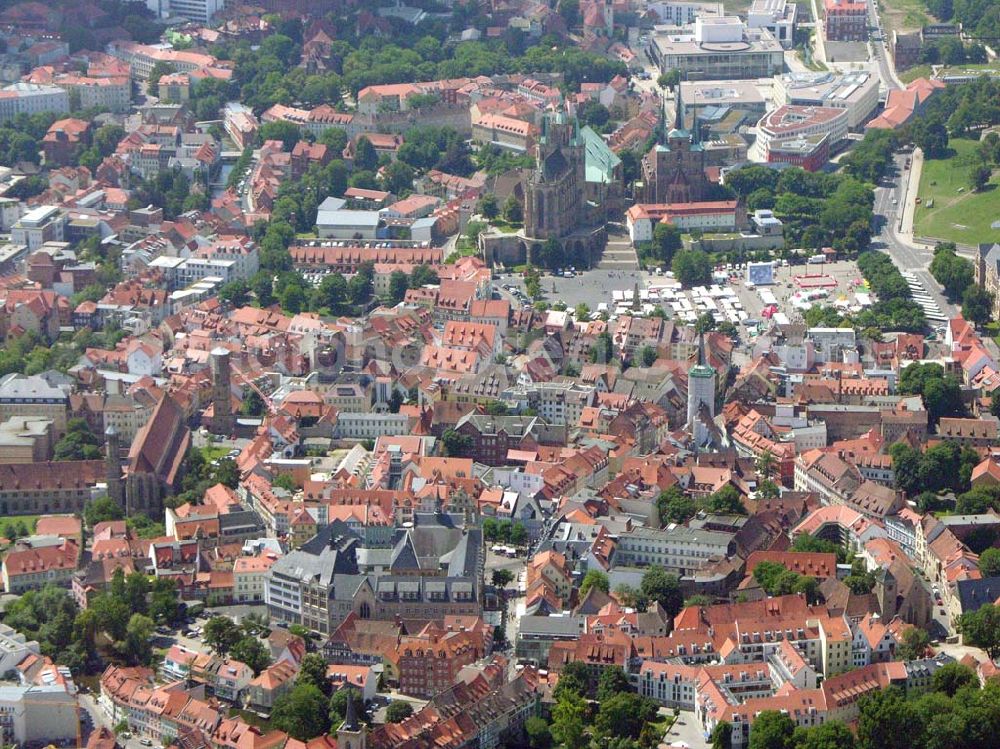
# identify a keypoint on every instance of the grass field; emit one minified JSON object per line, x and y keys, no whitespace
{"x":963,"y":217}
{"x":29,"y":520}
{"x":214,"y":453}
{"x":904,"y":15}
{"x":924,"y":71}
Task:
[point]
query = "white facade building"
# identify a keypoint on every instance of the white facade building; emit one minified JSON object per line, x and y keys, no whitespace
{"x":38,"y":226}
{"x":856,"y":92}
{"x":31,"y":98}
{"x":777,"y":16}
{"x":200,"y":11}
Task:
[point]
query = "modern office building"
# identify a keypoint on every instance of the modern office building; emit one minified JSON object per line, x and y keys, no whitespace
{"x":777,"y":16}
{"x":855,"y":92}
{"x":718,"y":48}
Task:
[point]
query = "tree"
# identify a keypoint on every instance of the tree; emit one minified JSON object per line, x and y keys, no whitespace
{"x":771,"y":730}
{"x":574,"y":678}
{"x":365,"y":155}
{"x":537,"y":730}
{"x":397,"y":178}
{"x":981,"y":629}
{"x":979,"y":176}
{"x":338,"y":704}
{"x":400,"y":710}
{"x":312,"y":671}
{"x":666,"y":242}
{"x":603,"y":349}
{"x":502,"y":578}
{"x":954,"y":273}
{"x":553,"y":254}
{"x":647,"y":356}
{"x":455,"y":444}
{"x":613,"y":680}
{"x":660,"y":586}
{"x":888,"y":721}
{"x":931,"y":137}
{"x":79,"y":443}
{"x":136,"y":591}
{"x":236,"y":293}
{"x":860,"y":581}
{"x":669,"y":79}
{"x":594,"y":579}
{"x":102,"y":510}
{"x":399,"y":282}
{"x":953,"y":676}
{"x":512,"y":212}
{"x":332,"y":293}
{"x":287,"y":132}
{"x":137,"y":647}
{"x":423,"y":275}
{"x":830,"y":735}
{"x":692,"y":268}
{"x":252,"y":652}
{"x":221,"y":633}
{"x":766,"y":464}
{"x":568,"y":720}
{"x":989,"y":563}
{"x":487,"y":206}
{"x":914,"y":645}
{"x":977,"y":305}
{"x":726,"y":501}
{"x":674,"y":506}
{"x":623,"y":715}
{"x":158,"y":70}
{"x":722,"y":735}
{"x":301,"y":713}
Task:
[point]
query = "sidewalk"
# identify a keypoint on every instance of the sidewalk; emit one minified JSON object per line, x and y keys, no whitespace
{"x":910,"y":198}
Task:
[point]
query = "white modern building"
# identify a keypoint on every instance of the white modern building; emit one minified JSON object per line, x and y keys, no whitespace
{"x":856,"y":92}
{"x":200,"y":11}
{"x":42,"y":714}
{"x":789,"y":123}
{"x":38,"y":226}
{"x":777,"y":16}
{"x":718,"y":49}
{"x":347,"y":224}
{"x":31,"y":98}
{"x":683,"y":13}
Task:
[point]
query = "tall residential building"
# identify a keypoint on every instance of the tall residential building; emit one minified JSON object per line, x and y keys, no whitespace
{"x":701,"y":397}
{"x":200,"y":11}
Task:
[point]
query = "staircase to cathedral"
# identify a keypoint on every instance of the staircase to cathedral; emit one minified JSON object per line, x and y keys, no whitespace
{"x":619,"y":255}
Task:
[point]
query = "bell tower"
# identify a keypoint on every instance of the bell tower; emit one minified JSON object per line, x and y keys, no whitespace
{"x":352,"y":734}
{"x":113,"y":467}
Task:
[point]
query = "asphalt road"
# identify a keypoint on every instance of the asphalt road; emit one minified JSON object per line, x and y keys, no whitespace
{"x":915,"y":259}
{"x":886,"y":71}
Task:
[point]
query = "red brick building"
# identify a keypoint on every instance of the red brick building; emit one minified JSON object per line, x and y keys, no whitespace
{"x":846,"y":20}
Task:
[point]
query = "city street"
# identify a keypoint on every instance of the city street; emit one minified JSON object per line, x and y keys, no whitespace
{"x":912,"y":258}
{"x":886,"y":70}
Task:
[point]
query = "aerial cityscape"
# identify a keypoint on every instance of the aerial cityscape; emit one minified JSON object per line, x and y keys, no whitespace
{"x":520,"y":374}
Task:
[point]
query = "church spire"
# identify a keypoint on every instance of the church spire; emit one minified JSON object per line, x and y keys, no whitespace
{"x":701,"y":349}
{"x":351,"y":718}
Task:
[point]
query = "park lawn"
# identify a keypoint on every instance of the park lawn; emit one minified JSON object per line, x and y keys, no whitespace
{"x":962,"y":217}
{"x":29,"y":520}
{"x":210,"y":453}
{"x":904,"y":15}
{"x":911,"y":74}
